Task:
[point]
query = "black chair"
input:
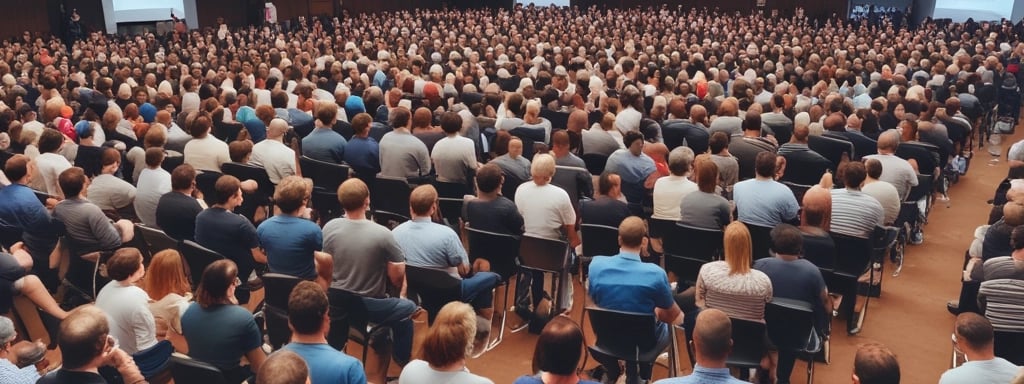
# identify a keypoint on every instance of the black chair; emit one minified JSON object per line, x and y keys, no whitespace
{"x":748,"y":347}
{"x":567,"y":179}
{"x":502,"y":252}
{"x":853,"y":259}
{"x":433,"y":287}
{"x":512,"y":182}
{"x":90,"y":159}
{"x":155,"y":239}
{"x":9,"y":235}
{"x":598,"y":240}
{"x":687,"y":249}
{"x":799,"y":190}
{"x":277,"y":289}
{"x":186,"y":370}
{"x":595,"y":162}
{"x":783,"y":132}
{"x":264,"y":194}
{"x":631,"y":337}
{"x":350,"y":321}
{"x":831,"y":148}
{"x":389,"y":199}
{"x":197,"y":258}
{"x":206,"y":181}
{"x":760,"y":241}
{"x":326,"y":179}
{"x":378,"y":130}
{"x":171,"y":162}
{"x":450,"y":199}
{"x":790,"y":326}
{"x":546,"y":256}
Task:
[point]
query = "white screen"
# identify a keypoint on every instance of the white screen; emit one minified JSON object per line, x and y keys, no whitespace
{"x":544,"y":3}
{"x":960,"y":10}
{"x":127,"y":11}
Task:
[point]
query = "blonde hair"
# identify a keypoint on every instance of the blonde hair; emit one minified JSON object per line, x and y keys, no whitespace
{"x":450,"y":339}
{"x":737,"y":248}
{"x":166,"y":275}
{"x":543,"y":166}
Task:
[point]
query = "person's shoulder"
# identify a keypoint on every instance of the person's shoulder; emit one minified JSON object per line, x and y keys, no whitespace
{"x":532,"y":379}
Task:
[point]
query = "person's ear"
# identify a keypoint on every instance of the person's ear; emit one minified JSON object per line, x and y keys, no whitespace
{"x":856,"y":380}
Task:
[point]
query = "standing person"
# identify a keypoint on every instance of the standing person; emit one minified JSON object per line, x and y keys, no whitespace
{"x":309,"y":321}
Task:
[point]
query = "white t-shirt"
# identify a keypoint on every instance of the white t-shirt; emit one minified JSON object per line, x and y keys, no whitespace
{"x":207,"y":154}
{"x":127,"y":309}
{"x":545,"y":209}
{"x":452,"y":156}
{"x":628,"y":120}
{"x":275,"y":157}
{"x":668,"y":196}
{"x":887,"y":195}
{"x":420,"y":372}
{"x":152,"y":184}
{"x":49,"y":167}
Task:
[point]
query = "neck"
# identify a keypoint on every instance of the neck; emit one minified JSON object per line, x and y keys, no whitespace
{"x":983,"y":354}
{"x":763,"y":178}
{"x":551,"y":378}
{"x":629,"y":250}
{"x":711,"y":363}
{"x":787,"y":257}
{"x":356,"y":214}
{"x":226,"y":206}
{"x":751,"y":133}
{"x":186,"y":192}
{"x":487,"y":195}
{"x":276,"y":138}
{"x":453,"y":367}
{"x":316,"y":338}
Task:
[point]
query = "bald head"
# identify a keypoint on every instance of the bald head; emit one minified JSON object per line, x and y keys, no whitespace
{"x":712,"y":337}
{"x":577,"y":121}
{"x":632,"y":232}
{"x":817,"y":207}
{"x":277,"y":129}
{"x":888,"y":141}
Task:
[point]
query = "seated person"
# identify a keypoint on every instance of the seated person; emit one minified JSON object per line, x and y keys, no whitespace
{"x":21,"y":209}
{"x":647,"y":291}
{"x":273,"y":154}
{"x":608,"y":207}
{"x":712,"y":343}
{"x":153,"y":183}
{"x":557,"y":354}
{"x":362,"y":152}
{"x":454,"y":156}
{"x":448,"y":343}
{"x":177,"y":210}
{"x":229,"y":234}
{"x":16,"y":358}
{"x":974,"y":336}
{"x":731,"y":284}
{"x":14,"y":280}
{"x":290,"y":240}
{"x":432,"y":245}
{"x":323,"y":143}
{"x":705,"y":208}
{"x":513,"y":162}
{"x":109,"y":192}
{"x":218,"y":330}
{"x":636,"y":169}
{"x":85,"y":346}
{"x":284,"y":367}
{"x":875,"y":364}
{"x":490,"y":211}
{"x":309,"y":321}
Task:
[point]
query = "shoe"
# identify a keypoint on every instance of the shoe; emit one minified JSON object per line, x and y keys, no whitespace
{"x":518,"y":322}
{"x":953,"y":307}
{"x":917,"y":237}
{"x":853,"y":331}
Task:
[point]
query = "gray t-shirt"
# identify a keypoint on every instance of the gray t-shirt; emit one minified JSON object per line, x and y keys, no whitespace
{"x":361,"y":250}
{"x":704,"y":210}
{"x":997,"y":370}
{"x":897,"y":172}
{"x":419,"y":372}
{"x":111,"y":193}
{"x":520,"y":166}
{"x":86,"y":225}
{"x":402,"y":155}
{"x":728,"y":171}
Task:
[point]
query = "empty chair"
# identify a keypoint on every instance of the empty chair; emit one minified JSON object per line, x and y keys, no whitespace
{"x":598,"y":240}
{"x":186,"y":370}
{"x":198,"y":257}
{"x":205,"y":182}
{"x":155,"y":239}
{"x":748,"y":346}
{"x":790,"y":326}
{"x":627,"y":336}
{"x":688,"y":248}
{"x":547,"y":256}
{"x":760,"y":241}
{"x":595,"y":162}
{"x":277,"y":287}
{"x":326,"y":179}
{"x":501,"y":251}
{"x":433,"y":287}
{"x":450,"y":199}
{"x":853,"y":259}
{"x":348,"y":317}
{"x":389,"y":198}
{"x":831,"y":148}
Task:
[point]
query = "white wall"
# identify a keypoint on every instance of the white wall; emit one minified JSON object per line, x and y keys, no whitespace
{"x":126,"y":11}
{"x":960,"y":10}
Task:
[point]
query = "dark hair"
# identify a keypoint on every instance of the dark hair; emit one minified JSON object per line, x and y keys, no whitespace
{"x":124,"y":263}
{"x":787,"y":240}
{"x":974,"y":330}
{"x":559,"y":347}
{"x":82,"y":336}
{"x":764,"y":164}
{"x":225,"y":188}
{"x":400,"y":117}
{"x":876,"y":364}
{"x":214,"y":284}
{"x":50,"y":140}
{"x":752,"y":121}
{"x":488,"y":178}
{"x":451,"y":122}
{"x":278,"y":99}
{"x":631,"y":137}
{"x":604,"y":183}
{"x":853,"y":174}
{"x":1017,"y":237}
{"x":16,"y":167}
{"x":718,"y":142}
{"x":873,"y":167}
{"x":71,"y":181}
{"x":307,"y":305}
{"x":182,"y":177}
{"x":154,"y":156}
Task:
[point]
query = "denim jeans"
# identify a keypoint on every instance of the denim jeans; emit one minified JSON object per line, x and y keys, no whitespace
{"x":394,"y":312}
{"x":478,"y":290}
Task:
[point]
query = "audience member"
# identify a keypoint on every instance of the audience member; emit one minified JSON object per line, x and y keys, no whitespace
{"x":284,"y":367}
{"x":153,"y":183}
{"x":362,"y":152}
{"x":854,"y":213}
{"x":108,"y":191}
{"x":731,"y":285}
{"x":608,"y":207}
{"x":712,"y":344}
{"x":454,"y":156}
{"x":442,"y":357}
{"x":402,"y":155}
{"x":323,"y":143}
{"x":85,"y":346}
{"x":875,"y":364}
{"x":636,"y":169}
{"x":762,"y":201}
{"x":973,"y":336}
{"x":273,"y":154}
{"x":557,"y":354}
{"x":669,"y":191}
{"x":177,"y":210}
{"x":229,"y":234}
{"x":704,"y":208}
{"x":291,"y":241}
{"x":10,"y":370}
{"x":309,"y":321}
{"x":885,"y":193}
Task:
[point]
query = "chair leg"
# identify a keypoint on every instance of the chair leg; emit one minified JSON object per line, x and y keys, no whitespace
{"x":501,"y":329}
{"x":810,"y":369}
{"x":673,"y":361}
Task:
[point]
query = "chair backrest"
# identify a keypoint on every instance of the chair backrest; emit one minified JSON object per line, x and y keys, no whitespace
{"x":277,"y":287}
{"x":544,"y":255}
{"x":250,"y":172}
{"x":821,"y":251}
{"x":789,"y":322}
{"x":599,"y":240}
{"x":512,"y":182}
{"x":198,"y":258}
{"x":925,"y":186}
{"x":172,"y":162}
{"x":687,"y":249}
{"x":187,"y":370}
{"x":9,"y":235}
{"x":852,"y":254}
{"x":831,"y":148}
{"x":595,"y":162}
{"x":450,"y":199}
{"x":565,"y":178}
{"x":390,"y":199}
{"x":928,"y":156}
{"x":434,"y":287}
{"x":1001,"y":299}
{"x":760,"y":241}
{"x":325,"y":175}
{"x":156,"y":239}
{"x":748,"y":343}
{"x":624,"y":335}
{"x":501,"y":250}
{"x":782,"y":132}
{"x":799,"y":190}
{"x":206,"y":181}
{"x":347,"y":311}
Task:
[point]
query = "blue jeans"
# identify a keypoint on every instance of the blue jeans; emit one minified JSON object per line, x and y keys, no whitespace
{"x":478,"y":290}
{"x":394,"y":312}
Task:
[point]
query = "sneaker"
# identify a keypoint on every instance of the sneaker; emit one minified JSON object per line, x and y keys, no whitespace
{"x":953,"y":306}
{"x":917,"y":237}
{"x":517,"y":322}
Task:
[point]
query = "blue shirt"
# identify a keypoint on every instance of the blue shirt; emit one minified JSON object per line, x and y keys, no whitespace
{"x":289,"y":243}
{"x":624,"y":283}
{"x":702,"y":375}
{"x":257,"y":130}
{"x":765,"y":203}
{"x":11,"y":374}
{"x":328,"y":365}
{"x":431,"y":245}
{"x":20,"y":208}
{"x":325,"y":145}
{"x":363,"y":155}
{"x":220,"y":335}
{"x":633,"y":170}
